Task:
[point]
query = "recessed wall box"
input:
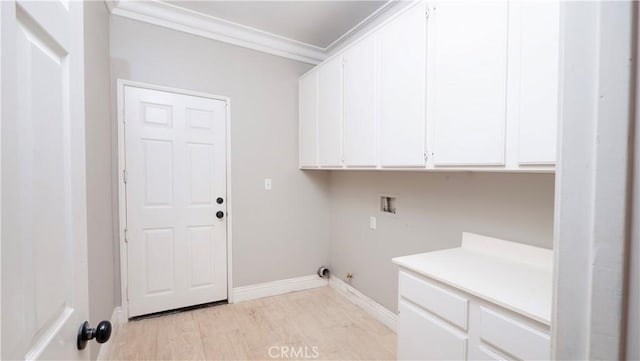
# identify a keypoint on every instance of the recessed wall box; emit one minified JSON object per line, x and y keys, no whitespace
{"x":388,"y":205}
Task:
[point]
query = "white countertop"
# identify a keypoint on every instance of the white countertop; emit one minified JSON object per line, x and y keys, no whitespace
{"x":512,"y":275}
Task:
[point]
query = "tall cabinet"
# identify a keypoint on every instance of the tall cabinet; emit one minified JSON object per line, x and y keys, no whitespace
{"x":330,"y":113}
{"x":308,"y":123}
{"x":402,"y":90}
{"x":536,"y":52}
{"x":464,"y":85}
{"x":360,"y":69}
{"x":468,"y":69}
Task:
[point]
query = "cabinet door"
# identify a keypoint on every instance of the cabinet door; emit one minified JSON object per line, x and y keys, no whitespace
{"x":402,"y":90}
{"x":330,"y":113}
{"x":360,"y":88}
{"x":308,"y":136}
{"x":538,"y":91}
{"x":469,"y":65}
{"x":425,"y":337}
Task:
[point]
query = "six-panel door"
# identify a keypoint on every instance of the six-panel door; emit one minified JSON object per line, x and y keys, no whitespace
{"x":176,"y":171}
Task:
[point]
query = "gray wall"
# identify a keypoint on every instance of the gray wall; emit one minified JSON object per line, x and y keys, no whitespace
{"x":311,"y":217}
{"x":277,"y":234}
{"x":433,"y":209}
{"x":100,"y":241}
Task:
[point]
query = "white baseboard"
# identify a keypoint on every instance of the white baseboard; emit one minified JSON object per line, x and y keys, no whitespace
{"x":370,"y":306}
{"x":252,"y":292}
{"x":116,"y":320}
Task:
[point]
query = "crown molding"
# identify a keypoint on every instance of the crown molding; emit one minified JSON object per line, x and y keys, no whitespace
{"x":362,"y":24}
{"x":181,"y":19}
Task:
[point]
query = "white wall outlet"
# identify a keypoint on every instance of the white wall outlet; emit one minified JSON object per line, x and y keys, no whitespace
{"x":267,"y":184}
{"x":373,"y":223}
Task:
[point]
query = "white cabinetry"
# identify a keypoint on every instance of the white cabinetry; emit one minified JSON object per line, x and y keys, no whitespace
{"x":439,"y":86}
{"x":360,"y":103}
{"x":308,"y":122}
{"x":330,"y":113}
{"x":468,"y":68}
{"x":402,"y":90}
{"x":489,"y":299}
{"x":535,"y":55}
{"x":416,"y":325}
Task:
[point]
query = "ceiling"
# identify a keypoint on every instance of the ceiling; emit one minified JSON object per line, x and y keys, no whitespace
{"x":318,"y":23}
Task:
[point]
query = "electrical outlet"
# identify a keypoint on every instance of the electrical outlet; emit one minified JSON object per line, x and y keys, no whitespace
{"x":373,"y":223}
{"x":267,"y":184}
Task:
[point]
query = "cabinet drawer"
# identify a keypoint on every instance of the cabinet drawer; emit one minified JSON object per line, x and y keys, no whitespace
{"x":424,"y":337}
{"x":513,"y":336}
{"x":438,"y":300}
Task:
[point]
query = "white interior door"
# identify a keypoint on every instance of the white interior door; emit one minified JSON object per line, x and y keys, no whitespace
{"x":44,"y":262}
{"x":175,"y":181}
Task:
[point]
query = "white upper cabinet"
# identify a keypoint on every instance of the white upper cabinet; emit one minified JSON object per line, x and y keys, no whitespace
{"x":466,"y":85}
{"x":402,"y":90}
{"x":360,"y":105}
{"x":468,"y":70}
{"x":537,"y":25}
{"x":308,"y":120}
{"x":330,"y":113}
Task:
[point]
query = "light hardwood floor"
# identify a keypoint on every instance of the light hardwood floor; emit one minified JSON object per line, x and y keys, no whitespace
{"x":319,"y":321}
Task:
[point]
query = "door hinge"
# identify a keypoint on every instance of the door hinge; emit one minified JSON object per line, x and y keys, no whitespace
{"x":124,"y":175}
{"x":127,"y":292}
{"x":426,"y":156}
{"x":429,"y":11}
{"x":126,"y":235}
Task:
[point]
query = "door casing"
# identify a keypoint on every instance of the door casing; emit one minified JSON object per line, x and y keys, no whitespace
{"x":122,"y":202}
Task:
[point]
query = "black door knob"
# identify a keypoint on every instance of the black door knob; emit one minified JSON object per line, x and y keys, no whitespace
{"x":219,"y":200}
{"x":220,"y":214}
{"x":102,"y":333}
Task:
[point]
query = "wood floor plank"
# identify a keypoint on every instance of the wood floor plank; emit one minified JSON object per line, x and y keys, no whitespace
{"x":179,"y":338}
{"x":318,"y":322}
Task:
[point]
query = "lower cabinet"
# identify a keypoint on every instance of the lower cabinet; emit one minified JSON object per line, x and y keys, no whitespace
{"x":429,"y":326}
{"x":425,"y":337}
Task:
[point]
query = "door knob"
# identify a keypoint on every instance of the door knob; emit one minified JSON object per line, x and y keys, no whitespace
{"x":102,"y":333}
{"x":220,"y":214}
{"x":219,"y":200}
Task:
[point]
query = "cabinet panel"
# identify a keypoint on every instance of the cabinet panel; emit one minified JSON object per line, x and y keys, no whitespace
{"x":468,"y":71}
{"x":330,"y":113}
{"x":424,"y":337}
{"x":513,"y":336}
{"x":308,"y":120}
{"x":483,"y":353}
{"x":360,"y":106}
{"x":441,"y":302}
{"x":538,"y":90}
{"x":402,"y":90}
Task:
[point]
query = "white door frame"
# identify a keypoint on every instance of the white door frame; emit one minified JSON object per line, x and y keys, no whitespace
{"x":593,"y":212}
{"x":122,"y":203}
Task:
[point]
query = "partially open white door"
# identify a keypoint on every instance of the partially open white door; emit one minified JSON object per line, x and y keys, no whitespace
{"x":44,"y":262}
{"x":176,"y":232}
